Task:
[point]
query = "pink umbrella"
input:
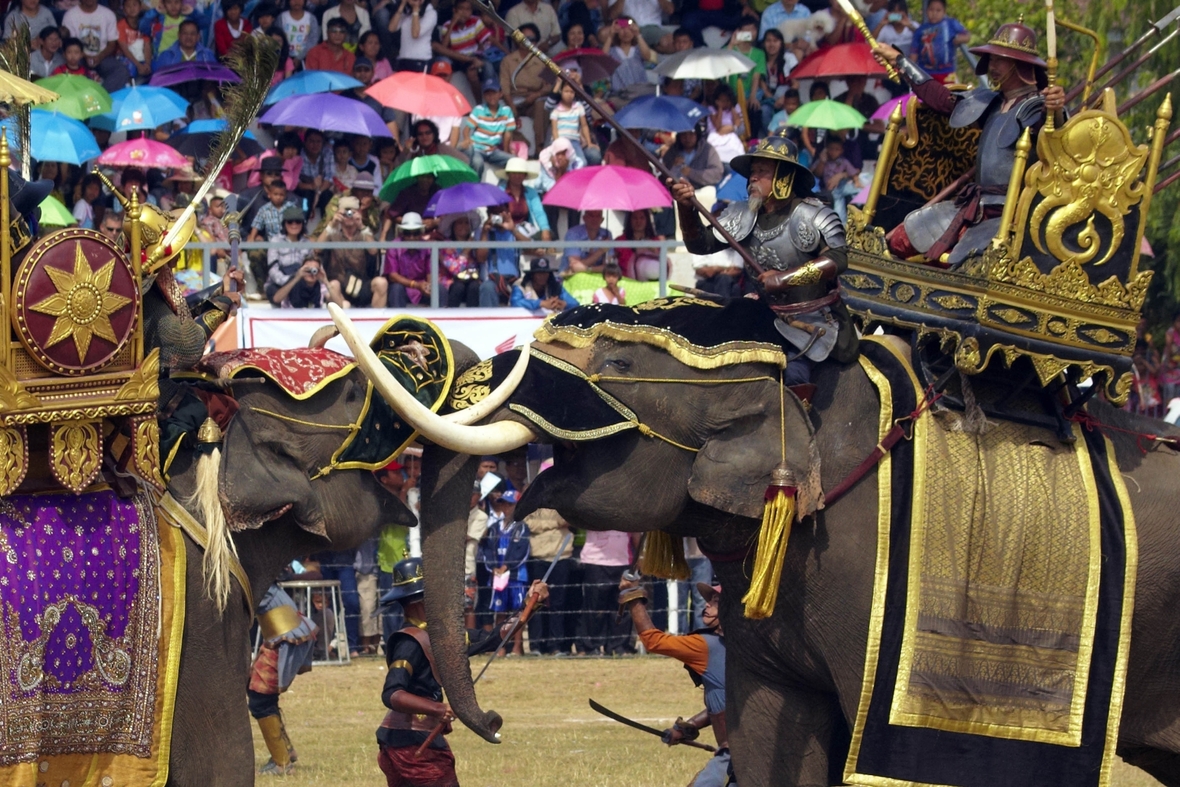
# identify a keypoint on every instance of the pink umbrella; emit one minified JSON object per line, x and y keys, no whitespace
{"x":608,"y":188}
{"x":144,"y":153}
{"x":887,"y":108}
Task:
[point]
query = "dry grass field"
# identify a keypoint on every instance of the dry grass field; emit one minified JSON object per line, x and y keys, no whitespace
{"x":551,"y":736}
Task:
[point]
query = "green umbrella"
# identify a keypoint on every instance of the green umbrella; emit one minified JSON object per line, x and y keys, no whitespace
{"x":826,"y":114}
{"x":446,"y":170}
{"x":81,"y":97}
{"x":54,"y":214}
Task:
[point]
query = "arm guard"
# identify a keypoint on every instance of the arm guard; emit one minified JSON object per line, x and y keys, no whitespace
{"x":819,"y":269}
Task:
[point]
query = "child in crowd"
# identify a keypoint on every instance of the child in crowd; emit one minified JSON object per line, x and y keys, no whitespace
{"x":45,"y":59}
{"x":74,"y":63}
{"x":466,"y":40}
{"x":611,"y":292}
{"x":787,"y":104}
{"x":934,"y":42}
{"x":811,"y":138}
{"x":135,"y":46}
{"x":228,"y":29}
{"x":725,"y":126}
{"x":163,"y":24}
{"x":749,"y":86}
{"x":301,"y":28}
{"x":836,"y":174}
{"x":568,"y":119}
{"x":896,"y":29}
{"x":89,"y":193}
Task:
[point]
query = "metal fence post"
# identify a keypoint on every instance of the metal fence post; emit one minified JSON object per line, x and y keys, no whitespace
{"x":434,"y":294}
{"x":663,"y":270}
{"x":206,"y":262}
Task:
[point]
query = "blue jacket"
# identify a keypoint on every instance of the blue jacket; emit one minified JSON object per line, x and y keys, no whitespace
{"x":173,"y":56}
{"x":536,"y":209}
{"x":520,"y":300}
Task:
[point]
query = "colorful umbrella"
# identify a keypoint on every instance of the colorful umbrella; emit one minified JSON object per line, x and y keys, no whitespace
{"x":56,"y":137}
{"x":143,"y":153}
{"x":146,"y":107}
{"x":81,"y":97}
{"x":54,"y":214}
{"x":705,"y":63}
{"x":841,"y":60}
{"x":192,"y":72}
{"x":826,"y":113}
{"x":327,"y":112}
{"x":594,"y":64}
{"x":608,"y":188}
{"x":887,"y":108}
{"x":307,"y":82}
{"x":14,"y":90}
{"x":733,"y":188}
{"x":463,"y":197}
{"x":447,"y":172}
{"x":198,"y":144}
{"x":420,"y":94}
{"x":662,"y":113}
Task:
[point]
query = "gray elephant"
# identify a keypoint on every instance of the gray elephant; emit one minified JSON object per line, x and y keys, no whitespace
{"x":700,"y":469}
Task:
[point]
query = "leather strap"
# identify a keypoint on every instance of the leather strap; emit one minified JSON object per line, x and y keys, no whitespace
{"x":397,"y":720}
{"x":803,"y":307}
{"x":177,"y":516}
{"x":423,"y":640}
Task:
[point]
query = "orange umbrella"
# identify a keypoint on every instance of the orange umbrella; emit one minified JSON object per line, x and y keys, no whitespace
{"x":841,"y":60}
{"x":420,"y":94}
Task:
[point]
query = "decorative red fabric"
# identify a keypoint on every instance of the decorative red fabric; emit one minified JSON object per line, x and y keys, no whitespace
{"x":404,"y":768}
{"x":299,"y":372}
{"x":264,"y":674}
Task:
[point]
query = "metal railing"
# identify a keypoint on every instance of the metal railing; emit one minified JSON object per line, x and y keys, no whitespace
{"x":435,"y":247}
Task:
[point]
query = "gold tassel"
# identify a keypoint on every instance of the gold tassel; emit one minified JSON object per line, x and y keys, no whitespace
{"x":777,"y":515}
{"x":663,"y":556}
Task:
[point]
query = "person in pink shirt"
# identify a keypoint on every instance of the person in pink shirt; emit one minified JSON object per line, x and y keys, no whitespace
{"x":605,"y":556}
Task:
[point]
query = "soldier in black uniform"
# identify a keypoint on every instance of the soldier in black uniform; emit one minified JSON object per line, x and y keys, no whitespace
{"x":798,"y":241}
{"x":412,"y":691}
{"x":1016,"y":98}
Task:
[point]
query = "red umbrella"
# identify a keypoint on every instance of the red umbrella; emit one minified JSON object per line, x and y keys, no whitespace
{"x":420,"y":94}
{"x":841,"y":60}
{"x":594,"y":63}
{"x":608,"y":188}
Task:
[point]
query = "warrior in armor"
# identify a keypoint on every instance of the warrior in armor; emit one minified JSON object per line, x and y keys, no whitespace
{"x":703,"y":655}
{"x":798,"y":241}
{"x":1016,"y":98}
{"x":412,"y":691}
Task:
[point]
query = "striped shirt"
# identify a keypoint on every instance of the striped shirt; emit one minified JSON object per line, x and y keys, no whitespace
{"x":568,"y":119}
{"x":470,"y":39}
{"x":490,"y":127}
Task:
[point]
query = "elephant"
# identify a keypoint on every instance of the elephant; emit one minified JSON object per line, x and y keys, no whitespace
{"x":794,"y":679}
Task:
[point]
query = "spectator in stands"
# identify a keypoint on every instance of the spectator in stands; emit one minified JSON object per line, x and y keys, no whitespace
{"x":163,"y":24}
{"x":135,"y":47}
{"x":187,"y":49}
{"x":315,"y":177}
{"x":362,"y":71}
{"x":330,"y":54}
{"x":543,"y":19}
{"x":111,"y":225}
{"x":30,"y":14}
{"x":779,"y":12}
{"x":649,"y":16}
{"x":283,"y":263}
{"x":605,"y":557}
{"x":341,"y":155}
{"x":503,"y":264}
{"x":692,"y":157}
{"x":98,"y":30}
{"x":212,"y":230}
{"x":488,"y":132}
{"x":89,"y":193}
{"x":46,"y":57}
{"x":425,"y":142}
{"x":265,"y":15}
{"x":286,"y":65}
{"x":579,"y":260}
{"x":539,"y":291}
{"x":465,"y":41}
{"x":416,"y":20}
{"x":557,"y":160}
{"x":412,"y":199}
{"x":636,"y":261}
{"x":568,"y":121}
{"x":300,"y":27}
{"x":711,"y":273}
{"x":611,"y":291}
{"x":780,"y":61}
{"x":725,"y":125}
{"x":573,"y":36}
{"x":836,"y":174}
{"x":355,"y":19}
{"x":934,"y":43}
{"x":228,"y":29}
{"x":551,"y":630}
{"x":408,"y":269}
{"x":696,"y":15}
{"x":370,"y":47}
{"x":351,"y":272}
{"x":524,"y":77}
{"x":623,"y":41}
{"x":268,"y":222}
{"x":74,"y":61}
{"x":524,"y":202}
{"x":460,"y":265}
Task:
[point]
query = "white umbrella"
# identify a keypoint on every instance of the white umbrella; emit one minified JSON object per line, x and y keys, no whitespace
{"x":705,"y":63}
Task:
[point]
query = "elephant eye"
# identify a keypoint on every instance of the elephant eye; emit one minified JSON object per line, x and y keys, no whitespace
{"x":622,"y":364}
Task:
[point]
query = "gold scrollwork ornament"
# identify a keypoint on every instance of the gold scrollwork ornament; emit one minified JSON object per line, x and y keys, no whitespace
{"x":144,"y":383}
{"x":14,"y":458}
{"x":147,"y":451}
{"x":75,"y":454}
{"x":471,"y":387}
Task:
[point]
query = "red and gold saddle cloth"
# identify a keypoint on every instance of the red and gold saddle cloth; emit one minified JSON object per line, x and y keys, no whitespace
{"x":300,"y":372}
{"x":92,"y":605}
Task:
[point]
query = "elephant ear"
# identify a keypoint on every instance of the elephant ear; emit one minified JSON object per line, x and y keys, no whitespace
{"x":732,"y":469}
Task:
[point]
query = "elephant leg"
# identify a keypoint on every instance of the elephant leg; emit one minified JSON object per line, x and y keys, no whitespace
{"x":1162,"y":765}
{"x":779,"y":735}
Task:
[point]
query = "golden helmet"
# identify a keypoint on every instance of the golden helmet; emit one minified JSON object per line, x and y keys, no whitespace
{"x":154,"y":226}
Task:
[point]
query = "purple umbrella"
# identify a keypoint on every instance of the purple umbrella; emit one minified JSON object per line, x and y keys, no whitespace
{"x":192,"y":72}
{"x":327,"y":112}
{"x":886,"y":109}
{"x":464,"y":197}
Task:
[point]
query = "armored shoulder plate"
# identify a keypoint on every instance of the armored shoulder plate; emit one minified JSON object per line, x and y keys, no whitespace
{"x":972,"y":106}
{"x":813,"y":224}
{"x":738,"y":221}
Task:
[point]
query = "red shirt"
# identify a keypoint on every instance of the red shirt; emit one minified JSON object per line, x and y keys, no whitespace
{"x":80,"y":71}
{"x":222,"y":39}
{"x":321,"y":58}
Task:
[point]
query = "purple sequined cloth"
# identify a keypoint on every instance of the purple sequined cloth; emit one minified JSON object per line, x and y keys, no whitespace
{"x":79,"y":598}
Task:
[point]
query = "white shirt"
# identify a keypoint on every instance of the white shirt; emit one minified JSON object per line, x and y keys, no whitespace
{"x":417,"y":48}
{"x":362,"y":16}
{"x":95,"y":29}
{"x":302,"y":34}
{"x":899,"y":41}
{"x":644,"y":12}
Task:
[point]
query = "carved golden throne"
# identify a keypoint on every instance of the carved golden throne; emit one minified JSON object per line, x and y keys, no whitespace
{"x":1059,"y":291}
{"x":76,"y":390}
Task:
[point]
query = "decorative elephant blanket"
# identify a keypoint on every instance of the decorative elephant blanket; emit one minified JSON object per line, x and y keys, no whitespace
{"x":92,"y":613}
{"x":1001,"y":613}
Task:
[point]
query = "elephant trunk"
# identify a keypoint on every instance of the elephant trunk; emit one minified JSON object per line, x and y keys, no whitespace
{"x":447,"y":480}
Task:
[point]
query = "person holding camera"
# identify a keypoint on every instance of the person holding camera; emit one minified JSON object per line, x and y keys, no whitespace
{"x":353,"y":277}
{"x":408,"y":269}
{"x":285,"y":263}
{"x":503,"y":264}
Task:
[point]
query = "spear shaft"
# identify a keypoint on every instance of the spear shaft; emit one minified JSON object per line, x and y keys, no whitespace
{"x":1155,"y":29}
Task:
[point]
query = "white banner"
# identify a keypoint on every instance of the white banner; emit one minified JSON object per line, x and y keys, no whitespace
{"x":486,"y":331}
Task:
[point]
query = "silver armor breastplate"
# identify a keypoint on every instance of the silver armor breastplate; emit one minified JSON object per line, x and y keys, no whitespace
{"x":783,"y":243}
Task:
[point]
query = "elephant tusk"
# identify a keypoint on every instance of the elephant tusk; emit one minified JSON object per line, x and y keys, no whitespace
{"x":496,"y":398}
{"x":475,"y":440}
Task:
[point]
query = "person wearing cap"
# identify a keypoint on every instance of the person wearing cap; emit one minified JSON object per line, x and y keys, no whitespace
{"x":540,"y":291}
{"x":408,"y":269}
{"x":799,"y":243}
{"x":362,"y":71}
{"x":412,"y":691}
{"x":353,"y":273}
{"x":1016,"y":97}
{"x":295,"y":278}
{"x":412,"y":199}
{"x":330,"y":54}
{"x":703,"y":654}
{"x":488,"y":134}
{"x":361,"y":186}
{"x":504,"y":551}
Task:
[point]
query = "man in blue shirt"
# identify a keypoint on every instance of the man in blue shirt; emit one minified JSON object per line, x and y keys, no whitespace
{"x":502,"y":264}
{"x":780,"y":12}
{"x":579,"y":260}
{"x":187,"y":49}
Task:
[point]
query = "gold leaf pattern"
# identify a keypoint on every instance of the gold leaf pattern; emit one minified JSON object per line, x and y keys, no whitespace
{"x":75,"y":454}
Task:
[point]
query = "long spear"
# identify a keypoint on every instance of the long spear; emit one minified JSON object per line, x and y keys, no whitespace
{"x":1155,"y":29}
{"x":523,"y":42}
{"x":1095,"y":97}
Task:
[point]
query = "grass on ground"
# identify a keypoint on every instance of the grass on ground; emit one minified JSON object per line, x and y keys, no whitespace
{"x":551,"y":736}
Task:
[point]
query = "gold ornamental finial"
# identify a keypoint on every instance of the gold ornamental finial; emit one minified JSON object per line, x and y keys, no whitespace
{"x":209,"y":432}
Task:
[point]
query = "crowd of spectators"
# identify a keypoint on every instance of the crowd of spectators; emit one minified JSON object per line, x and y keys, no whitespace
{"x":525,"y":131}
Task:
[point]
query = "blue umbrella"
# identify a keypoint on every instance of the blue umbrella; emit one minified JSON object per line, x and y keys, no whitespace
{"x":306,"y":82}
{"x":145,"y":107}
{"x":663,"y":113}
{"x":57,"y":137}
{"x":732,"y":188}
{"x":210,"y":126}
{"x":464,"y":197}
